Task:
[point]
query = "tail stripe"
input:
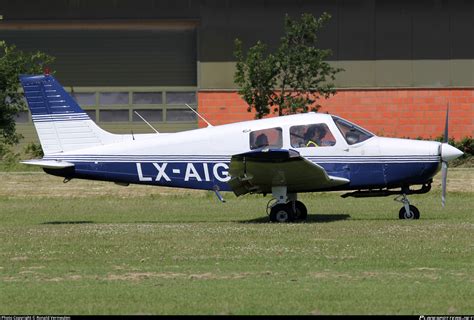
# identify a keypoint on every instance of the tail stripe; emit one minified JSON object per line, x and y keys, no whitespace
{"x":60,"y":117}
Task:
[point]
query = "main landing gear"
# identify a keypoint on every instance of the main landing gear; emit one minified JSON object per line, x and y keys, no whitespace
{"x":286,"y":207}
{"x":408,"y":211}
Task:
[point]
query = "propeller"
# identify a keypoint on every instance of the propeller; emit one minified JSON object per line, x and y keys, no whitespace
{"x":447,"y":153}
{"x":444,"y":163}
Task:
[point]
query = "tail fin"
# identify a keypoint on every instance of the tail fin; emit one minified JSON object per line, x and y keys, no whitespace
{"x":60,"y":122}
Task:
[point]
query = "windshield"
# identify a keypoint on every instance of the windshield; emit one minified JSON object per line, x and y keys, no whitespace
{"x":351,"y":132}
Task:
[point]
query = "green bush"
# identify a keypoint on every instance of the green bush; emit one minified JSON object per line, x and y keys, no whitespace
{"x":34,"y":150}
{"x":466,"y":145}
{"x":8,"y":158}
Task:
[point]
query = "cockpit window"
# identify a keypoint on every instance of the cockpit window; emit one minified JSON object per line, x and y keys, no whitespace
{"x":271,"y":138}
{"x":351,"y":132}
{"x":312,"y":135}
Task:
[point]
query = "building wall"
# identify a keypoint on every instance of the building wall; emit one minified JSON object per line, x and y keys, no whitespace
{"x":403,"y":59}
{"x":379,"y":43}
{"x":409,"y":113}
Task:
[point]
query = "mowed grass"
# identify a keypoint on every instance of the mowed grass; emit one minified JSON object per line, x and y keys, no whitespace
{"x":96,"y":248}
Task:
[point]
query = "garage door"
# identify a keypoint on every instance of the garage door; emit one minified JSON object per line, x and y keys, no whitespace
{"x":115,"y":57}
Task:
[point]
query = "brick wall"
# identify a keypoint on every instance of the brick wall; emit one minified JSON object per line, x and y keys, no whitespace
{"x":399,"y":113}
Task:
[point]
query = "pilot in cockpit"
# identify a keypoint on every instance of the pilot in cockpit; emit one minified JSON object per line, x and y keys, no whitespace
{"x":261,"y":141}
{"x":314,"y":136}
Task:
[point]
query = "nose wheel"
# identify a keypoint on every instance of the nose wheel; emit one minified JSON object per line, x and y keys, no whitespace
{"x":408,"y":211}
{"x":413,"y":213}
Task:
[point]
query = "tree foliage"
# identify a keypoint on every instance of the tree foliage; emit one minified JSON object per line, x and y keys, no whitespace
{"x":14,"y":62}
{"x":291,"y":79}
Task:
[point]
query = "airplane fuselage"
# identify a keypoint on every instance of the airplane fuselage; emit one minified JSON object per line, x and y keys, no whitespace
{"x":283,"y":155}
{"x":200,"y":159}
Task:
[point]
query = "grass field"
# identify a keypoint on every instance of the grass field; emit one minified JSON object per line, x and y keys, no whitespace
{"x":97,"y":248}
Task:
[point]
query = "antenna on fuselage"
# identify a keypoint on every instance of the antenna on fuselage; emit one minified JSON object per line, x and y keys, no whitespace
{"x":208,"y":124}
{"x":146,"y":122}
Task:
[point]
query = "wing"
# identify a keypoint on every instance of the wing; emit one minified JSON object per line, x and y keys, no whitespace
{"x":258,"y":171}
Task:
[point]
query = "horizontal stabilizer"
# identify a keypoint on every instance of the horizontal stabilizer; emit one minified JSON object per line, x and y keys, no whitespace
{"x":49,"y":164}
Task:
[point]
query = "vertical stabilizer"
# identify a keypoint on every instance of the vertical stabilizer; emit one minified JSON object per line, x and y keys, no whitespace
{"x":60,"y":122}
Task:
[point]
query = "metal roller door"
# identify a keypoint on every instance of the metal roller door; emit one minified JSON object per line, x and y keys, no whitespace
{"x":114,"y":57}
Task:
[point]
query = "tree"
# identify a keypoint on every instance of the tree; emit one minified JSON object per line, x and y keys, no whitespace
{"x":291,"y":79}
{"x":14,"y":62}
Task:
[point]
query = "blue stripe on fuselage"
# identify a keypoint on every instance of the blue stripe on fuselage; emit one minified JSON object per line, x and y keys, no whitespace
{"x":194,"y":175}
{"x":207,"y":175}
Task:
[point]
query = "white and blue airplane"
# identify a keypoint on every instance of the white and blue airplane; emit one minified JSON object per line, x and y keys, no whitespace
{"x":281,"y":156}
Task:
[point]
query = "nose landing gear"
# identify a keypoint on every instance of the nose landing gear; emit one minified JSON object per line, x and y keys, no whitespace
{"x":408,"y":211}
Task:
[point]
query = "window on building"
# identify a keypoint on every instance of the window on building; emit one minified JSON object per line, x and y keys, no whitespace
{"x":155,"y":105}
{"x":114,"y":116}
{"x":150,"y":115}
{"x":178,"y":115}
{"x":271,"y":138}
{"x":84,"y":98}
{"x":147,"y":98}
{"x":312,"y":135}
{"x":113,"y":98}
{"x":180,"y":97}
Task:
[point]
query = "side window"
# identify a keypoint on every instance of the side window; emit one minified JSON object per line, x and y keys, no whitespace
{"x":312,"y":135}
{"x":271,"y":138}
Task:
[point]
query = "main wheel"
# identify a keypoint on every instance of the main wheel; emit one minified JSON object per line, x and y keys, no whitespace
{"x":281,"y":213}
{"x":413,"y":214}
{"x":301,"y":211}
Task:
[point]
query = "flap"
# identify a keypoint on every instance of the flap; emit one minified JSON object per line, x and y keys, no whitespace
{"x":258,"y":171}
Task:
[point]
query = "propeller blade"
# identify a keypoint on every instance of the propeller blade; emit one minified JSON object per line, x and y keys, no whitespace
{"x":445,"y":138}
{"x":444,"y":176}
{"x":444,"y":163}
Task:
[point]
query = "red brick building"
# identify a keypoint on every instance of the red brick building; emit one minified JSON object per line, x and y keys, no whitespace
{"x":404,"y":112}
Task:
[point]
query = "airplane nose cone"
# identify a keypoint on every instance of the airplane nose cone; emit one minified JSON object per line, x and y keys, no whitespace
{"x":449,"y":152}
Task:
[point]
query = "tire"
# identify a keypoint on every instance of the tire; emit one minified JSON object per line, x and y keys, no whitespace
{"x":414,"y":213}
{"x":281,"y":213}
{"x":301,"y":211}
